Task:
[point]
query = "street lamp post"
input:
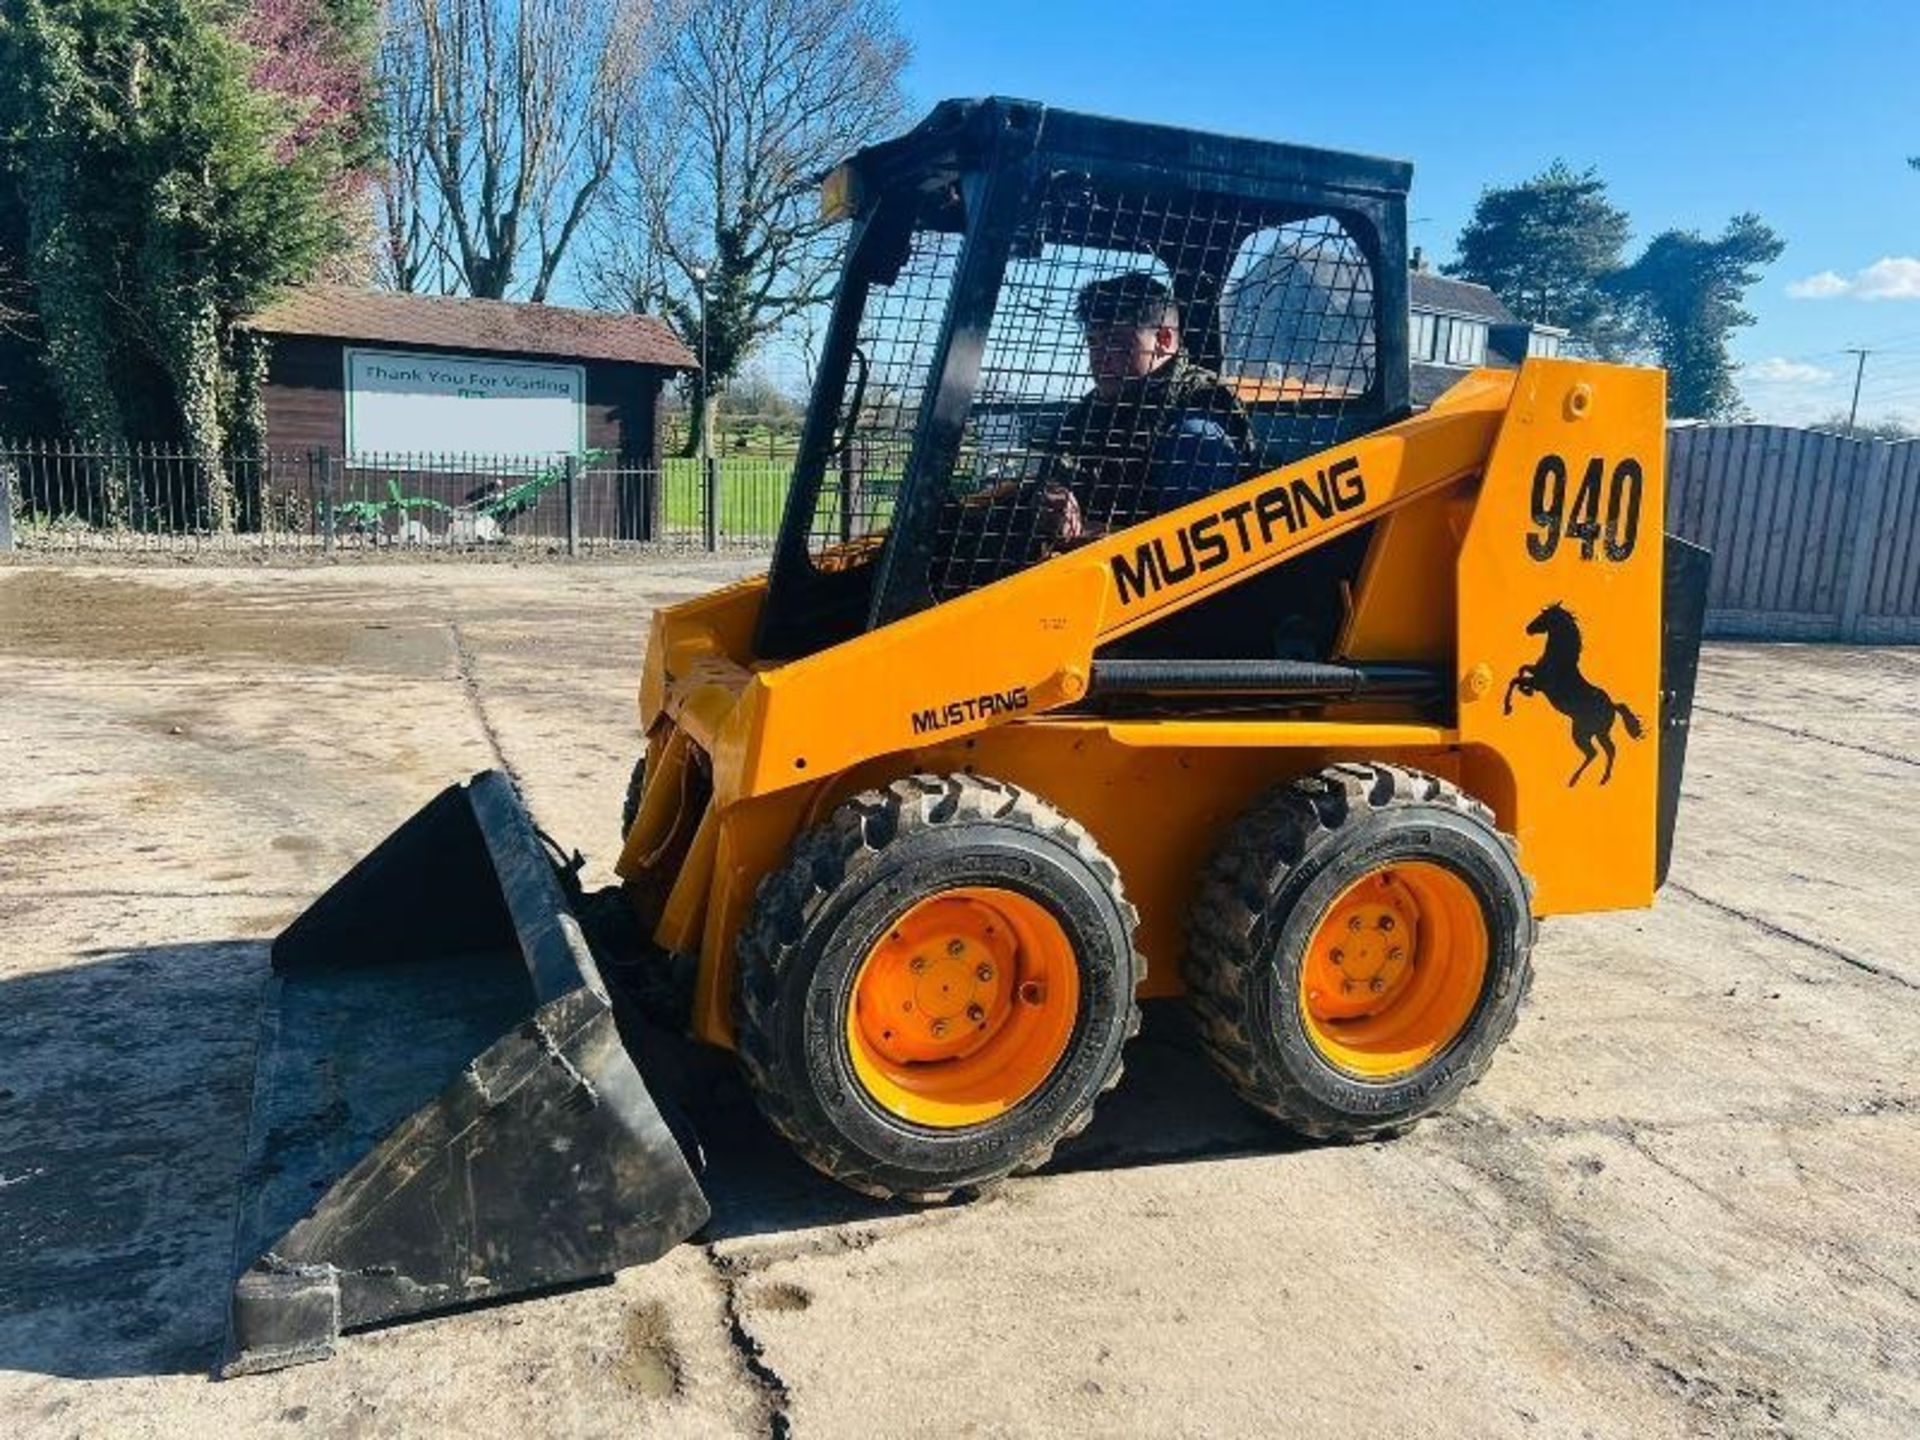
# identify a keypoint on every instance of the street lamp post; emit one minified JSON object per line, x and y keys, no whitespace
{"x":709,"y":472}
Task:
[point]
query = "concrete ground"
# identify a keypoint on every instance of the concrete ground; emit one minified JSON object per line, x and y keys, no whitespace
{"x":1685,"y":1201}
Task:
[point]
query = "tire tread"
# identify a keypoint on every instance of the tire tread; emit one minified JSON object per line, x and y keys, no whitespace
{"x":841,"y":849}
{"x":1233,"y":908}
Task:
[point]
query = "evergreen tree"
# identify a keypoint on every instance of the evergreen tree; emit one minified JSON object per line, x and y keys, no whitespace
{"x":171,"y":178}
{"x":1683,"y":300}
{"x":1543,"y":246}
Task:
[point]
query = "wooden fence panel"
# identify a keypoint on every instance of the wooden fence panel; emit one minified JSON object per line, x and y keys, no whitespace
{"x":1815,"y":536}
{"x":1891,"y":608}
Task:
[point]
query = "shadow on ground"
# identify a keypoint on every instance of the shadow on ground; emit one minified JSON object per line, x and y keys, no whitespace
{"x":124,"y":1087}
{"x":1170,"y":1106}
{"x":123,"y":1093}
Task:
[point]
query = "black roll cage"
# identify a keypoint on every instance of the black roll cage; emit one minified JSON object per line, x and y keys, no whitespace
{"x":974,"y":167}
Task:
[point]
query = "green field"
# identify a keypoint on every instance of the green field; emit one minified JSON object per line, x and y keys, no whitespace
{"x":753,"y":492}
{"x":753,"y":497}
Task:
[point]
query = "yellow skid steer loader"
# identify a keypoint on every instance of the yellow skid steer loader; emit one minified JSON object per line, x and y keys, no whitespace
{"x":1128,"y":636}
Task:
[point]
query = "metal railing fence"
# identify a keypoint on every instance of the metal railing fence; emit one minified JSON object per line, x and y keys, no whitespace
{"x":69,"y":495}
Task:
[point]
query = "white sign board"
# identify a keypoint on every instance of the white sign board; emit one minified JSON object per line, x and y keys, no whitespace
{"x":401,"y":405}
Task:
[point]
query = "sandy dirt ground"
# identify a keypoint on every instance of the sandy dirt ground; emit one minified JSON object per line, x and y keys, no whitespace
{"x":1685,"y":1201}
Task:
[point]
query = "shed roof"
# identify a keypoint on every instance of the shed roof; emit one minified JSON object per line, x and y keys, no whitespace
{"x":448,"y":322}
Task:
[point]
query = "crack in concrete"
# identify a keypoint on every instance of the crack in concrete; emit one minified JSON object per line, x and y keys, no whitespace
{"x":1832,"y":952}
{"x":776,"y":1398}
{"x":1637,"y":1142}
{"x":463,"y":664}
{"x":1800,"y":734}
{"x":733,"y":1270}
{"x":845,"y":1239}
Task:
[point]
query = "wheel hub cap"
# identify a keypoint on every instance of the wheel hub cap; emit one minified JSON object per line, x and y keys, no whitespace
{"x":963,"y":1007}
{"x":1394,"y":970}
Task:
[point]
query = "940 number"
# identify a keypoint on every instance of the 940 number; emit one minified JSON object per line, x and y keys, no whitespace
{"x":1612,"y":529}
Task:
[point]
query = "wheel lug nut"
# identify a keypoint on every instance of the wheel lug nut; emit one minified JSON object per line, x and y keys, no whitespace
{"x":1339,"y":957}
{"x":918,"y":964}
{"x":984,"y":974}
{"x":1376,"y":984}
{"x":1396,"y":953}
{"x":1386,"y":922}
{"x":939,"y":1029}
{"x":1353,"y":922}
{"x":976,"y":1015}
{"x":956,"y":947}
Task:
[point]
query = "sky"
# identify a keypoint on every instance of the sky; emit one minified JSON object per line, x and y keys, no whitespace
{"x":1692,"y":110}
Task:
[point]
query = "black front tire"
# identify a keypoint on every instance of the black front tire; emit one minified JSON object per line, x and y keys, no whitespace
{"x":843,"y":886}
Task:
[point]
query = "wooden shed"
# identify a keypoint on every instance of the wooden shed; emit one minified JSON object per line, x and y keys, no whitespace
{"x":376,"y":374}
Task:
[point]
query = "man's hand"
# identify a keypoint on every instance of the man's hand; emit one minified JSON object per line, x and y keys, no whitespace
{"x":1060,"y":517}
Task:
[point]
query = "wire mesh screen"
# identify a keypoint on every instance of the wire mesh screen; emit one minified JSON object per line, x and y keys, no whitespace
{"x":1147,"y":350}
{"x":889,"y":376}
{"x":1296,"y":318}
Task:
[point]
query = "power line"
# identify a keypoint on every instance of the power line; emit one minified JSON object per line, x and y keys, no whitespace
{"x":1885,"y":373}
{"x":1904,"y":346}
{"x":1897,"y":342}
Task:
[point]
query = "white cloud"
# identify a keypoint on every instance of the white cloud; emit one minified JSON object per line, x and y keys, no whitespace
{"x":1895,"y":278}
{"x":1892,"y":277}
{"x":1778,"y":371}
{"x":1823,"y":286}
{"x":1792,"y":407}
{"x":1780,"y":391}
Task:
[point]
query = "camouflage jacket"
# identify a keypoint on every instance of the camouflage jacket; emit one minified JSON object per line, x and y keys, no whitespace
{"x":1167,"y":437}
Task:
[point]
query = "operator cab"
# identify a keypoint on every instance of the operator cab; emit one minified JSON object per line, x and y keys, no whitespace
{"x":955,"y":381}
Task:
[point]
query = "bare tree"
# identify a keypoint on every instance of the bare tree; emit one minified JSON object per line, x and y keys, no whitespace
{"x":752,"y":100}
{"x":412,"y":246}
{"x":504,"y":118}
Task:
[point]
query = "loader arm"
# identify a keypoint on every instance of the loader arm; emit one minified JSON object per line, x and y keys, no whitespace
{"x":1025,"y":645}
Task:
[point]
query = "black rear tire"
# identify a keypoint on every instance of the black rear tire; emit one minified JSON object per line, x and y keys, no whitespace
{"x":844,"y":886}
{"x":1263,"y":897}
{"x":630,"y":805}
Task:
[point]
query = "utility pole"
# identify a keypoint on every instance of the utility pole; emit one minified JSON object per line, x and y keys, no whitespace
{"x":1859,"y":371}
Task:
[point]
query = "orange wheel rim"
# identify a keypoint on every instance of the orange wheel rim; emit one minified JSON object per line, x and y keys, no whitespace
{"x":963,"y":1008}
{"x":1394,"y":970}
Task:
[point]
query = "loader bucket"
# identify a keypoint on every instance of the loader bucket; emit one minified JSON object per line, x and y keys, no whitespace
{"x":443,"y":1112}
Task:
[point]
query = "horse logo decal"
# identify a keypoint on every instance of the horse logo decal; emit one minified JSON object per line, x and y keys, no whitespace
{"x":1556,"y":675}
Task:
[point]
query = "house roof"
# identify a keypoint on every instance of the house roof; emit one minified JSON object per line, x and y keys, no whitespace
{"x":340,"y":312}
{"x":1428,"y":291}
